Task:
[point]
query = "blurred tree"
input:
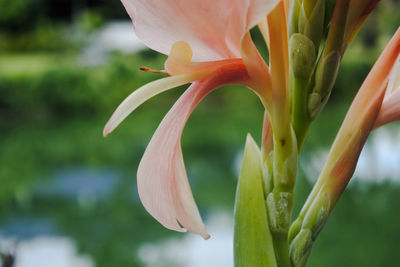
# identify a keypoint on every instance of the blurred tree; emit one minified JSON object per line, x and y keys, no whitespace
{"x":19,"y":14}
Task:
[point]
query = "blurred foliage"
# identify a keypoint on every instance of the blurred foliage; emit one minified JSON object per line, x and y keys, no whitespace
{"x":53,"y":109}
{"x":19,"y":14}
{"x":45,"y":37}
{"x":89,"y":21}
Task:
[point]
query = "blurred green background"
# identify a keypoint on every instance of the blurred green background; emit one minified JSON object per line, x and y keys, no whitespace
{"x":65,"y":66}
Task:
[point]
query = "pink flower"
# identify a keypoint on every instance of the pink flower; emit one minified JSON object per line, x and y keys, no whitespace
{"x":215,"y":34}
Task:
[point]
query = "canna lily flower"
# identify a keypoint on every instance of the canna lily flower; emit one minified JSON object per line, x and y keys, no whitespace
{"x":209,"y":45}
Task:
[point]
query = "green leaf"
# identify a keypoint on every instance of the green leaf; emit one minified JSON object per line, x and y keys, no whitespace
{"x":252,"y":238}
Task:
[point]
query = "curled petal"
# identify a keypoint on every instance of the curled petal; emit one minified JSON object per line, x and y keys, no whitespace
{"x":259,"y":9}
{"x":142,"y":94}
{"x":162,"y":180}
{"x":390,"y":110}
{"x":394,"y":79}
{"x":212,"y":27}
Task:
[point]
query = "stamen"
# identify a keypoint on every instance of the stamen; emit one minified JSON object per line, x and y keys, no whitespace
{"x":146,"y":69}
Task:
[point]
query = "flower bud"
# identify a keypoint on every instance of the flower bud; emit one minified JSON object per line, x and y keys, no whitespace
{"x":294,"y":17}
{"x":302,"y":55}
{"x":301,"y":248}
{"x":325,"y":77}
{"x":311,"y":20}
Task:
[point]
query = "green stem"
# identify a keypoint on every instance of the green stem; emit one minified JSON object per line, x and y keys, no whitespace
{"x":281,"y":247}
{"x":280,"y":199}
{"x":300,"y":118}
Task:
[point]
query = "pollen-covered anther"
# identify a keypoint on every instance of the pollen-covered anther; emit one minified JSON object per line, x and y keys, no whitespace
{"x":146,"y":69}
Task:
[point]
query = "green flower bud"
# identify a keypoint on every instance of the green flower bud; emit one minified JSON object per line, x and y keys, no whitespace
{"x":317,"y":215}
{"x":308,"y":6}
{"x":300,"y":248}
{"x":325,"y":77}
{"x":294,"y":17}
{"x":295,"y":228}
{"x":302,"y":55}
{"x":311,"y":20}
{"x":314,"y":104}
{"x":305,"y":229}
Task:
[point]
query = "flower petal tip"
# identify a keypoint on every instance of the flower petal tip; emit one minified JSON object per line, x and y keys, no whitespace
{"x":206,"y":236}
{"x":107,"y":130}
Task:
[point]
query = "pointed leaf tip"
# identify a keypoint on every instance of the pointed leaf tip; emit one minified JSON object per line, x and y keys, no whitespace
{"x":251,"y":145}
{"x":253,"y":241}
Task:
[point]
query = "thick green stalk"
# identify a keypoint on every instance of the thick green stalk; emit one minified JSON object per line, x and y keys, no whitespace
{"x":280,"y":199}
{"x":281,"y":246}
{"x":300,"y":118}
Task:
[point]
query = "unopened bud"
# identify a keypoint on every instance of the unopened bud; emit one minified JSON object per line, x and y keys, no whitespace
{"x":302,"y":55}
{"x":295,"y":228}
{"x":325,"y":77}
{"x":300,"y":248}
{"x":317,"y":214}
{"x":294,"y":17}
{"x":311,"y":20}
{"x":314,"y":104}
{"x":308,"y":6}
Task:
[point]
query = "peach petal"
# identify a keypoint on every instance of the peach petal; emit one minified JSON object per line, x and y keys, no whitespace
{"x":390,"y":111}
{"x":394,"y":79}
{"x":142,"y":94}
{"x":213,"y":28}
{"x":162,"y":180}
